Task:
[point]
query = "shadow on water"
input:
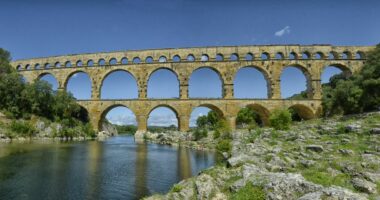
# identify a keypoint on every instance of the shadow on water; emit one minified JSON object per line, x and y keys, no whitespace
{"x":117,"y":168}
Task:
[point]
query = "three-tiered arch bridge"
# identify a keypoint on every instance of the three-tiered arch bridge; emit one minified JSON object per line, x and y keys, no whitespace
{"x":270,"y":60}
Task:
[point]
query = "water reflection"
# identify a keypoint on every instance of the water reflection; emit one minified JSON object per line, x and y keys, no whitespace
{"x":114,"y":169}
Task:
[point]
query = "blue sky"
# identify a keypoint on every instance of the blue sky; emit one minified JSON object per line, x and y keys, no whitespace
{"x":39,"y":28}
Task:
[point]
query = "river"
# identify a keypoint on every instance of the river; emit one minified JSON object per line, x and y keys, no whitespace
{"x":117,"y":168}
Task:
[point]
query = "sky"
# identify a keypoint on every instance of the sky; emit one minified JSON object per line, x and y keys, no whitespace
{"x":40,"y":28}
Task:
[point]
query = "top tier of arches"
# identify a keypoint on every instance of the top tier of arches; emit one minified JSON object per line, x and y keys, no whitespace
{"x":207,"y":54}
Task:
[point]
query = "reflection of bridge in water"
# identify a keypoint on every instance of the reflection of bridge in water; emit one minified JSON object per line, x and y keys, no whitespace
{"x":225,"y":61}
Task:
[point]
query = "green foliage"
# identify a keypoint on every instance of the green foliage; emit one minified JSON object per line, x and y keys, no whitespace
{"x":224,"y":145}
{"x":249,"y":192}
{"x":176,"y":188}
{"x":358,"y":93}
{"x":202,"y":121}
{"x":126,"y":129}
{"x":24,"y":128}
{"x":247,"y":117}
{"x":200,"y":133}
{"x":208,"y":121}
{"x":326,"y":179}
{"x":300,"y":96}
{"x":280,"y":119}
{"x":161,"y":129}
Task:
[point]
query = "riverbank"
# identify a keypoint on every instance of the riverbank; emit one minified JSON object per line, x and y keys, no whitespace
{"x":336,"y":158}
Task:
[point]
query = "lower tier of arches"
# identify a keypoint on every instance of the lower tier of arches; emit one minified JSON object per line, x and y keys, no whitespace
{"x":226,"y":108}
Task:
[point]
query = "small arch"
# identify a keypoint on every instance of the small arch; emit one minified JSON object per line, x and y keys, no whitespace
{"x":79,"y":63}
{"x":19,"y":68}
{"x":319,"y":56}
{"x":249,"y":57}
{"x":113,"y":61}
{"x":176,"y":58}
{"x":265,"y":56}
{"x":37,"y":66}
{"x":102,"y":62}
{"x":27,"y":67}
{"x":136,"y":60}
{"x":47,"y":66}
{"x":190,"y":58}
{"x":219,"y":57}
{"x":346,"y":55}
{"x":90,"y":63}
{"x":279,"y":56}
{"x":301,"y":112}
{"x":334,"y":69}
{"x":333,"y":55}
{"x":124,"y":61}
{"x":360,"y":55}
{"x":305,"y":55}
{"x":68,"y":64}
{"x":149,"y":59}
{"x":57,"y":64}
{"x":234,"y":57}
{"x":163,"y":116}
{"x":162,"y":59}
{"x":294,"y":80}
{"x":204,"y":57}
{"x":293,"y":56}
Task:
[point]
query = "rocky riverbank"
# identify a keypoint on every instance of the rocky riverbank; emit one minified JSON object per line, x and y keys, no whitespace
{"x":337,"y":158}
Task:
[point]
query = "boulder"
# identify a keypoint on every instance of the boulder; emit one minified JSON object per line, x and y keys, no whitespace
{"x":363,"y":185}
{"x":206,"y":187}
{"x":375,"y":131}
{"x":315,"y":148}
{"x":333,"y":193}
{"x":353,"y":127}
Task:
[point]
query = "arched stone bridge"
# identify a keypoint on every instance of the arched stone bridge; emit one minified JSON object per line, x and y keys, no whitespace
{"x":226,"y":61}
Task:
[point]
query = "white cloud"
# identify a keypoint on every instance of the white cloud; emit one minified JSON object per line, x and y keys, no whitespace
{"x":285,"y":30}
{"x":123,"y":120}
{"x":162,"y":120}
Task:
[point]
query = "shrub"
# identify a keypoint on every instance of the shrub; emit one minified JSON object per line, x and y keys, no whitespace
{"x":200,"y":133}
{"x":176,"y":188}
{"x":223,"y":129}
{"x":23,"y":128}
{"x":224,"y":145}
{"x":280,"y":119}
{"x":249,"y":192}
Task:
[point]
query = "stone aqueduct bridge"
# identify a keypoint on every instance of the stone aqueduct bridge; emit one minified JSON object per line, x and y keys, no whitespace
{"x":226,"y":61}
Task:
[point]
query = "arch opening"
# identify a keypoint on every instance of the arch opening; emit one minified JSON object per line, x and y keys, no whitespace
{"x":90,"y":63}
{"x":163,"y":83}
{"x":301,"y":112}
{"x":204,"y":57}
{"x":163,"y":118}
{"x":251,"y":82}
{"x":119,"y":84}
{"x":149,"y":59}
{"x":234,"y":57}
{"x":249,"y":57}
{"x":124,"y":61}
{"x":252,"y":116}
{"x":205,"y":116}
{"x":176,"y":58}
{"x":113,"y":61}
{"x":121,"y":117}
{"x":102,"y":62}
{"x":295,"y":82}
{"x":162,"y":59}
{"x":333,"y":70}
{"x":50,"y":79}
{"x":265,"y":56}
{"x":279,"y":56}
{"x":205,"y":82}
{"x":79,"y":85}
{"x":219,"y":57}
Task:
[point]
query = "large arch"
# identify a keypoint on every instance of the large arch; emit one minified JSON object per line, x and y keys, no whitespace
{"x":121,"y":80}
{"x":295,"y":76}
{"x":262,"y":112}
{"x":203,"y":109}
{"x":200,"y":78}
{"x":333,"y":69}
{"x":249,"y":76}
{"x":79,"y":83}
{"x":49,"y":78}
{"x":163,"y":82}
{"x":106,"y":111}
{"x":303,"y":111}
{"x":161,"y":116}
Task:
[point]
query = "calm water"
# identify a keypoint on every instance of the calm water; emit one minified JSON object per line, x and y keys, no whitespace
{"x":117,"y":168}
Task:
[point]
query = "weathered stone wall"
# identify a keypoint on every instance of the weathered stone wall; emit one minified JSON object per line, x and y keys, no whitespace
{"x":310,"y":59}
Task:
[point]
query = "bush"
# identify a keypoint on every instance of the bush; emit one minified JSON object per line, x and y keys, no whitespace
{"x":176,"y":188}
{"x":280,"y":119}
{"x":223,"y":129}
{"x":224,"y":145}
{"x":23,"y":127}
{"x":200,"y":133}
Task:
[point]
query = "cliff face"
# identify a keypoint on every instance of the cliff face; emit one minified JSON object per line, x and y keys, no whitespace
{"x":109,"y":129}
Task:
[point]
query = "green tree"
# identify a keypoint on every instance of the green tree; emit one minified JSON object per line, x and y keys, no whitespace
{"x":280,"y":119}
